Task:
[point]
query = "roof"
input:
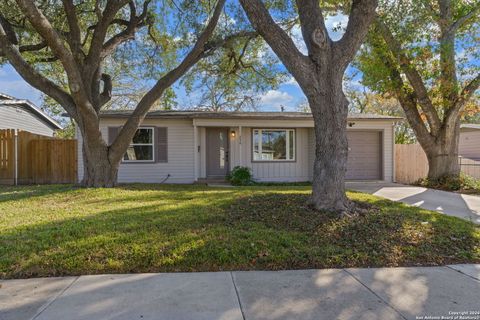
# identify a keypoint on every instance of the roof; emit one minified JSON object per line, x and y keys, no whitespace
{"x":11,"y":101}
{"x":470,"y":126}
{"x":193,"y":114}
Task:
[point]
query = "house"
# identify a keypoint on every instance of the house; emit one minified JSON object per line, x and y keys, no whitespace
{"x":469,"y":144}
{"x":187,"y":146}
{"x":24,"y":115}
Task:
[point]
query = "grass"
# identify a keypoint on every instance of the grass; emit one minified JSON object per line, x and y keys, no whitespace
{"x":64,"y":230}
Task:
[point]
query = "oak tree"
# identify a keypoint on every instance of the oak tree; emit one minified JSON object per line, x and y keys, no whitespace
{"x":424,"y":53}
{"x":81,"y":37}
{"x":319,"y":75}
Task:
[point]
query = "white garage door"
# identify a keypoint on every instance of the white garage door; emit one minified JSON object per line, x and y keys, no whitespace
{"x":364,"y":155}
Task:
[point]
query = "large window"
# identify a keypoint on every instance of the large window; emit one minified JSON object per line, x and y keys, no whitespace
{"x":141,"y":148}
{"x":273,"y":145}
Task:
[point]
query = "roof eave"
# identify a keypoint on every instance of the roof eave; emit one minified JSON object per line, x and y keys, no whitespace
{"x":233,"y":117}
{"x":54,"y":124}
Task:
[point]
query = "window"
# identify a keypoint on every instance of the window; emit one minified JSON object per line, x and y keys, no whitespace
{"x":141,"y":148}
{"x":273,"y":145}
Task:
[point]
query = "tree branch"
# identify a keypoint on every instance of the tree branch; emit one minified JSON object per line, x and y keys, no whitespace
{"x":467,"y":92}
{"x":33,"y":47}
{"x":214,"y":44}
{"x":106,"y":94}
{"x":99,"y":34}
{"x":128,"y":130}
{"x":45,"y":29}
{"x":314,"y":32}
{"x":413,"y":76}
{"x":33,"y":77}
{"x":74,"y":28}
{"x":129,"y":33}
{"x":361,"y":16}
{"x":408,"y":102}
{"x":448,"y":68}
{"x":278,"y":40}
{"x":8,"y":30}
{"x":462,"y":20}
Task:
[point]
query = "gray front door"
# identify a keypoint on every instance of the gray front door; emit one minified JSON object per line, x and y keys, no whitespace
{"x":217,"y":152}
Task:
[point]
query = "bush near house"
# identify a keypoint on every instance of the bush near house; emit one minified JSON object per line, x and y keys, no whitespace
{"x":64,"y":230}
{"x":464,"y":183}
{"x":240,"y":176}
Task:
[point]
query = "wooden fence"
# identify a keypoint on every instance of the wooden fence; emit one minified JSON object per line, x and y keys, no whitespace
{"x":28,"y":158}
{"x":411,"y":164}
{"x":7,"y":156}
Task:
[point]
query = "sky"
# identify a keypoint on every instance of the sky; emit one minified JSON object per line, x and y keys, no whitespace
{"x":288,"y":95}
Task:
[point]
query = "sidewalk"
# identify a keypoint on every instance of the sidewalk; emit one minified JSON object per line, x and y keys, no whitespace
{"x":385,"y":293}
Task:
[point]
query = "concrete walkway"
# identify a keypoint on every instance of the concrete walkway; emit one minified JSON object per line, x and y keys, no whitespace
{"x":450,"y":203}
{"x":383,"y":294}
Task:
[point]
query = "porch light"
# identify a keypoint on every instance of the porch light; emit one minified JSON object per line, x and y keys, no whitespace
{"x":233,"y":134}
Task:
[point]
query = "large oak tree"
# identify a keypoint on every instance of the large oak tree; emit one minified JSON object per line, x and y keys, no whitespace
{"x":81,"y":37}
{"x":320,"y":75}
{"x":424,"y":53}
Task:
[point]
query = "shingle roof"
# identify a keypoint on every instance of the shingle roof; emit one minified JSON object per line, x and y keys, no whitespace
{"x":193,"y":114}
{"x":11,"y":101}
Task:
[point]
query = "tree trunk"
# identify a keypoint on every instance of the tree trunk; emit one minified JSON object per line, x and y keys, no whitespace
{"x":442,"y":165}
{"x":99,"y":169}
{"x":330,"y":110}
{"x":443,"y":156}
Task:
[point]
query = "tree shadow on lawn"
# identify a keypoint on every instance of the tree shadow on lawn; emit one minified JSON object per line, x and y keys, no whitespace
{"x":260,"y":231}
{"x":15,"y":193}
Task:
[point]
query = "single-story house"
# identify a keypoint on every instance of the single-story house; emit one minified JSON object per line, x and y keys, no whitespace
{"x":24,"y":115}
{"x":188,"y":146}
{"x":469,"y":144}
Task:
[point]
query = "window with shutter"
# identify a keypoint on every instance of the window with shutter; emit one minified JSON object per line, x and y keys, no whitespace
{"x":162,"y":144}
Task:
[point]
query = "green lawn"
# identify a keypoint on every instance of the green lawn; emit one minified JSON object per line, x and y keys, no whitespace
{"x":64,"y":230}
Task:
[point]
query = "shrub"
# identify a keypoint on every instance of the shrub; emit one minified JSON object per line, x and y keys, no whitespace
{"x":462,"y":182}
{"x":240,"y":176}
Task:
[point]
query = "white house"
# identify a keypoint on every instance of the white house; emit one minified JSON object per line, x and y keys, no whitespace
{"x":187,"y":146}
{"x":24,"y":115}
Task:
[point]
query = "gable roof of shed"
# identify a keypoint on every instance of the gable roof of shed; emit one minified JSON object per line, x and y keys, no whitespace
{"x":6,"y":100}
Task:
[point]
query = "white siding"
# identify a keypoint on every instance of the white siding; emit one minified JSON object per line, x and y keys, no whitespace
{"x":388,"y":140}
{"x":469,"y":145}
{"x":180,"y":164}
{"x":15,"y":117}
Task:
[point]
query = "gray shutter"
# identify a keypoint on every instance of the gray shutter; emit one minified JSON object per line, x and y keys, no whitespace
{"x":161,"y":144}
{"x":112,"y":134}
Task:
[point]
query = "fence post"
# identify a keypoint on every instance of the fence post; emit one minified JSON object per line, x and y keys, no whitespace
{"x":15,"y":178}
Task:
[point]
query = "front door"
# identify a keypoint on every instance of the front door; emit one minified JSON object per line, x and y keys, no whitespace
{"x":217,"y":152}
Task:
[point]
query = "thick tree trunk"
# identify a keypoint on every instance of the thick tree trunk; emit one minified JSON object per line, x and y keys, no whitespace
{"x":443,"y":156}
{"x":99,"y":169}
{"x":330,"y":110}
{"x":442,"y":165}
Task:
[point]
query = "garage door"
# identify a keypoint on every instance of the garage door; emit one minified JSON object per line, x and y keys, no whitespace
{"x":364,"y":155}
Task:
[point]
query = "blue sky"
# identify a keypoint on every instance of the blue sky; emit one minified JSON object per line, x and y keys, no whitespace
{"x":287,"y":94}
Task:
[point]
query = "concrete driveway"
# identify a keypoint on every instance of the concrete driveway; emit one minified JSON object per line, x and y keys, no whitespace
{"x":345,"y":294}
{"x":450,"y":203}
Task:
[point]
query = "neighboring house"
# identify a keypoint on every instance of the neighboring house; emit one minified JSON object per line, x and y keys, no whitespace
{"x":24,"y":115}
{"x":469,"y":145}
{"x":187,"y":146}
